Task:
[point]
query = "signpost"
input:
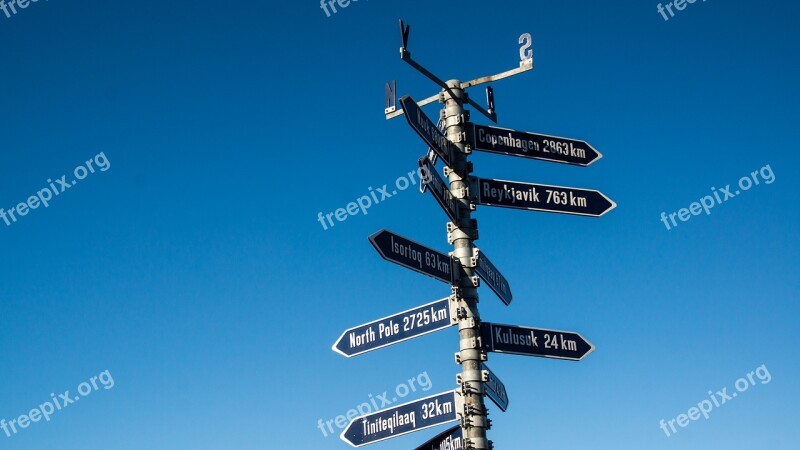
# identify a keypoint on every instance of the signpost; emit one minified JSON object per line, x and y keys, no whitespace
{"x":396,"y":328}
{"x":535,"y":342}
{"x":489,"y":273}
{"x":453,"y":140}
{"x":439,"y":190}
{"x":531,"y":145}
{"x":426,"y":129}
{"x":495,"y":389}
{"x":412,"y":255}
{"x":451,"y":439}
{"x":542,"y":197}
{"x":403,"y":419}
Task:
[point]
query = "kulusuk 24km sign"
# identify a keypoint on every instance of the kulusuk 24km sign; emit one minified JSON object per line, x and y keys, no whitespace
{"x":451,"y":141}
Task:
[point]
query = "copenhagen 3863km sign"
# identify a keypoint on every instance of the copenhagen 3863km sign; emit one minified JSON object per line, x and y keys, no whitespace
{"x":451,"y":142}
{"x":531,"y":145}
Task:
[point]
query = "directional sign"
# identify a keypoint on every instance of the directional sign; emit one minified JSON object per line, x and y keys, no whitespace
{"x":432,"y":157}
{"x":542,"y":197}
{"x":451,"y":439}
{"x":412,"y":255}
{"x":403,"y":419}
{"x":535,"y":342}
{"x":531,"y":145}
{"x":426,"y":129}
{"x":496,"y":281}
{"x":397,"y":328}
{"x":494,"y":388}
{"x":440,"y":190}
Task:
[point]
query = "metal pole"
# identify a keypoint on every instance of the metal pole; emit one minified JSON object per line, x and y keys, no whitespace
{"x":462,"y":235}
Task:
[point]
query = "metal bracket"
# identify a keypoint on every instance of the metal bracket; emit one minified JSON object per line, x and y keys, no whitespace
{"x":456,"y":313}
{"x":469,"y":344}
{"x":468,"y":230}
{"x":467,"y":322}
{"x":460,"y":379}
{"x":448,"y":170}
{"x":467,"y":388}
{"x":461,"y":118}
{"x":473,"y":261}
{"x":474,"y":410}
{"x":475,"y":281}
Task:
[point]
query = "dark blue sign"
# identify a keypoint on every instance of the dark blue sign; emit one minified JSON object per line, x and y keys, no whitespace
{"x":542,"y":197}
{"x":403,"y":419}
{"x":494,"y":388}
{"x":531,"y":145}
{"x":396,"y":328}
{"x":439,"y":189}
{"x":451,"y":439}
{"x":496,"y":281}
{"x":535,"y":342}
{"x":426,"y":129}
{"x":412,"y":255}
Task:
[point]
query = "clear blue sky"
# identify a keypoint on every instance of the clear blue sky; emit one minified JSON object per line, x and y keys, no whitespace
{"x":195,"y":271}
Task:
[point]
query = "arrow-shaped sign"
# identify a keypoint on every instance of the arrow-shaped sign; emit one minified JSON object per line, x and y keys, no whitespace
{"x":426,"y":129}
{"x":542,"y":197}
{"x":439,"y":190}
{"x":531,"y":145}
{"x":489,"y":273}
{"x":396,"y":328}
{"x":535,"y":342}
{"x":413,"y":255}
{"x":451,"y":439}
{"x":494,"y":388}
{"x":403,"y":419}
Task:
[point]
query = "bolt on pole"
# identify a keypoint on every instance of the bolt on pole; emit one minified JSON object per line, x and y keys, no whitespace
{"x":462,"y":235}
